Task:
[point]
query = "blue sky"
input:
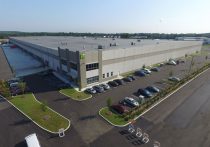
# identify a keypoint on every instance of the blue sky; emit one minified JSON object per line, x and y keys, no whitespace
{"x":109,"y":16}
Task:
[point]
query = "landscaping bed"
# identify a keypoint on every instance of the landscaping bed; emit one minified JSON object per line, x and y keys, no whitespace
{"x":40,"y":113}
{"x":114,"y":118}
{"x":75,"y":95}
{"x":123,"y":120}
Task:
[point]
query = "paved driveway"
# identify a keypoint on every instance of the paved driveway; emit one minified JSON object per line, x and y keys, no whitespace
{"x":84,"y":115}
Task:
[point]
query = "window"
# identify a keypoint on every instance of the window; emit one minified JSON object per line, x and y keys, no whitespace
{"x":103,"y":75}
{"x":91,"y":66}
{"x":63,"y":62}
{"x":107,"y":74}
{"x":73,"y":65}
{"x":92,"y":79}
{"x":111,"y":73}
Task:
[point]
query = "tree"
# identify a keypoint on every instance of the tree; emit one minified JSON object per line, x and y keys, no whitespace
{"x":22,"y":86}
{"x":109,"y":102}
{"x":192,"y":63}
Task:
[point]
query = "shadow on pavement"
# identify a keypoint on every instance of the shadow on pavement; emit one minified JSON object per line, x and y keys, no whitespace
{"x":21,"y":144}
{"x":21,"y":122}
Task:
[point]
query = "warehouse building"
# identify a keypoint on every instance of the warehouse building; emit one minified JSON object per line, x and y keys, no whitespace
{"x":89,"y":61}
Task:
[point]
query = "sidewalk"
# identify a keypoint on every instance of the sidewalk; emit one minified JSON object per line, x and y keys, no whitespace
{"x":5,"y":71}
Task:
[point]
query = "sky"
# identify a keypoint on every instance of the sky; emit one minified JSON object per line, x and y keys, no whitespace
{"x":106,"y":16}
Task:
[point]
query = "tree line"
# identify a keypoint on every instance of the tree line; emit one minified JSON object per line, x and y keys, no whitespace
{"x":6,"y":34}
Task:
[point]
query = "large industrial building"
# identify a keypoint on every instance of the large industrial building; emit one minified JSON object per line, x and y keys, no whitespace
{"x":88,"y":61}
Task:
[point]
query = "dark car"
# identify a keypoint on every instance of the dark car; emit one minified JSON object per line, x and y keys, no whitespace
{"x":132,"y":77}
{"x":119,"y":81}
{"x":140,"y":73}
{"x":15,"y":92}
{"x":113,"y":83}
{"x":145,"y":93}
{"x":156,"y":69}
{"x":153,"y":89}
{"x":98,"y":89}
{"x":119,"y":108}
{"x":127,"y":79}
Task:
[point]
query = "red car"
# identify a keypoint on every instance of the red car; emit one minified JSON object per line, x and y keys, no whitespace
{"x":119,"y":108}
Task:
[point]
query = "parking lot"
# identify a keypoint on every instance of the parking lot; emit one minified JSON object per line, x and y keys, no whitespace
{"x":95,"y":131}
{"x":88,"y":115}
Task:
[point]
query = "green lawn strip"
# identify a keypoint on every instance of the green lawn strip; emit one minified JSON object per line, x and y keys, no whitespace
{"x":47,"y":119}
{"x":72,"y":93}
{"x":114,"y":118}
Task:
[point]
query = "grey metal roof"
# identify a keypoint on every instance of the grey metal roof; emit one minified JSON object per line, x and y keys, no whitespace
{"x":88,"y":43}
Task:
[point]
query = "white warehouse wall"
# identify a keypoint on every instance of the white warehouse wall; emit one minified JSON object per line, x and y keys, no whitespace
{"x":137,"y":63}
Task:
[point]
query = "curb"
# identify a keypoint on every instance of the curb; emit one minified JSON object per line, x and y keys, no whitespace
{"x":108,"y":120}
{"x":150,"y":108}
{"x":36,"y":122}
{"x":74,"y":98}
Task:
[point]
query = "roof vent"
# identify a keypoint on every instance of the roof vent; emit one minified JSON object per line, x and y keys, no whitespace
{"x":132,"y":43}
{"x":114,"y":44}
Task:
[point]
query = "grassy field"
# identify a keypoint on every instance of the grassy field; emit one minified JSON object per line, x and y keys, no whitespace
{"x":48,"y":119}
{"x":72,"y":93}
{"x":114,"y":118}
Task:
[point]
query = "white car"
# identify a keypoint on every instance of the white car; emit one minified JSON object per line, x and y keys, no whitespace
{"x":32,"y":140}
{"x":105,"y":86}
{"x":131,"y":101}
{"x":147,"y":71}
{"x":172,"y":62}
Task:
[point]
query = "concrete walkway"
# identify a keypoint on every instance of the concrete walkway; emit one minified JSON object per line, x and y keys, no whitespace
{"x":5,"y":71}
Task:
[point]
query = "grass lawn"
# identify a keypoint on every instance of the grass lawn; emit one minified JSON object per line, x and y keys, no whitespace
{"x":72,"y":93}
{"x":115,"y":119}
{"x":47,"y":119}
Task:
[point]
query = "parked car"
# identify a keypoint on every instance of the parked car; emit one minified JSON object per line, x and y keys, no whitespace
{"x":105,"y":86}
{"x":130,"y":102}
{"x":171,"y":62}
{"x":113,"y":83}
{"x":98,"y":89}
{"x":140,"y":73}
{"x":90,"y":90}
{"x":15,"y":92}
{"x":146,"y":71}
{"x":153,"y":89}
{"x":181,"y":60}
{"x":119,"y":108}
{"x":119,"y":81}
{"x":14,"y":80}
{"x":132,"y":77}
{"x":174,"y":79}
{"x":145,"y":93}
{"x":14,"y":84}
{"x":127,"y":79}
{"x":156,"y":69}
